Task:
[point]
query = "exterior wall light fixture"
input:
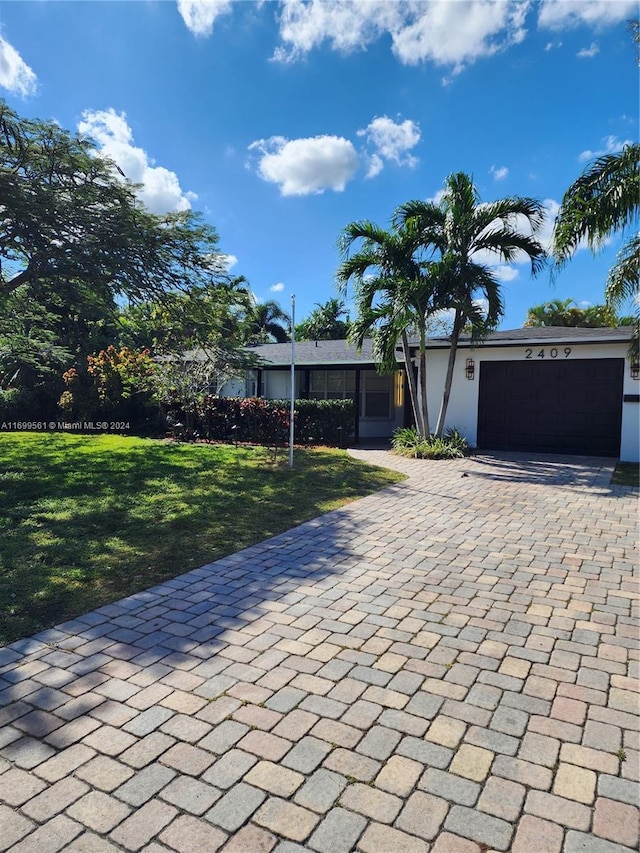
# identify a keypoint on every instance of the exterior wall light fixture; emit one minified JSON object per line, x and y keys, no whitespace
{"x":470,"y":369}
{"x":398,"y":389}
{"x":635,"y":370}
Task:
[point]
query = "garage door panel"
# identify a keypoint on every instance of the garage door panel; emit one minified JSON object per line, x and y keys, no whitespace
{"x":567,"y":406}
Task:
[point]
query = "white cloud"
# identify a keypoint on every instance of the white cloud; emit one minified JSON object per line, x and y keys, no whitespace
{"x":449,"y":33}
{"x":15,"y":74}
{"x":446,"y":33}
{"x":612,"y":145}
{"x":160,"y":189}
{"x":317,"y":163}
{"x":227,"y":261}
{"x":277,"y":288}
{"x":306,"y":166}
{"x":391,"y":141}
{"x":437,"y":197}
{"x":457,"y":34}
{"x":589,"y":52}
{"x":376,"y":165}
{"x":561,"y":14}
{"x":505,"y":273}
{"x":200,"y":15}
{"x":499,"y":174}
{"x":347,"y":24}
{"x":545,"y":232}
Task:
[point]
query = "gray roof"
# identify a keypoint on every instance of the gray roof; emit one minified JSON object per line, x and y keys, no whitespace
{"x":315,"y":352}
{"x":341,"y":352}
{"x":546,"y":334}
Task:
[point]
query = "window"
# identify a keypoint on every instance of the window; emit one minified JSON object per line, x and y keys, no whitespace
{"x":376,"y":395}
{"x":251,"y":384}
{"x":332,"y":384}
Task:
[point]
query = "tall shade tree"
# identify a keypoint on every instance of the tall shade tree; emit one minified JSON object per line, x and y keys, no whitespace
{"x":469,"y":237}
{"x":605,"y":199}
{"x":75,"y":244}
{"x":68,"y":215}
{"x":397,"y":288}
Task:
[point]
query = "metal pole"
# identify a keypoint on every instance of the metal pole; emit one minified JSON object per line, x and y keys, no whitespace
{"x":293,"y":377}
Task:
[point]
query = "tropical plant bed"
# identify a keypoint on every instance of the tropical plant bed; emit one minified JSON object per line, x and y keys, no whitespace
{"x":85,"y":520}
{"x":407,"y":441}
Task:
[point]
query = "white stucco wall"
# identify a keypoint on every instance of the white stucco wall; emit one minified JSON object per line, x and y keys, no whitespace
{"x":630,"y":444}
{"x":462,"y":411}
{"x":233,"y":388}
{"x":276,"y":384}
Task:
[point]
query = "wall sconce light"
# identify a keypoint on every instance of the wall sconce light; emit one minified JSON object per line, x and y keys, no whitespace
{"x":635,"y":370}
{"x":398,"y":389}
{"x":470,"y":369}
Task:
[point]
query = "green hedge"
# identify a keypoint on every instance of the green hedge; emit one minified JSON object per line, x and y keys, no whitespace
{"x":267,"y":421}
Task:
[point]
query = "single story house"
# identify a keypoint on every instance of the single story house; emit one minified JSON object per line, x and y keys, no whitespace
{"x":548,"y":389}
{"x":330,"y":370}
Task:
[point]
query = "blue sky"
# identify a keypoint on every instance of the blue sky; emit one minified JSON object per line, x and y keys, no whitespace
{"x":284,"y":121}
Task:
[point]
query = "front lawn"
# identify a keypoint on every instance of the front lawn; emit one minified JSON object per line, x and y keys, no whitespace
{"x":85,"y":520}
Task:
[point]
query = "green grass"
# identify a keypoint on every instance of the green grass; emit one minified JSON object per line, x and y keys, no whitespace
{"x":626,"y":474}
{"x":85,"y":520}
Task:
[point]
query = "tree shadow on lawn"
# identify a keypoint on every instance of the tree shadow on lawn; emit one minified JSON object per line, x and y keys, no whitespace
{"x":314,"y":577}
{"x":84,"y":523}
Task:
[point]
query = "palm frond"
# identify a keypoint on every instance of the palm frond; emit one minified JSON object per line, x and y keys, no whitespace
{"x":624,"y":276}
{"x":510,"y":245}
{"x":603,"y":200}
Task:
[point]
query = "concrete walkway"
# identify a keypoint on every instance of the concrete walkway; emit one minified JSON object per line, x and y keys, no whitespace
{"x":449,"y":665}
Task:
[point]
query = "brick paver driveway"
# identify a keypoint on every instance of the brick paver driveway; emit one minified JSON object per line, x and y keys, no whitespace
{"x":447,"y":665}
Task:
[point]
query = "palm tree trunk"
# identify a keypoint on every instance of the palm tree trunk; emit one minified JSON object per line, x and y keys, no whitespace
{"x":423,"y":382}
{"x":411,"y":382}
{"x":455,"y":335}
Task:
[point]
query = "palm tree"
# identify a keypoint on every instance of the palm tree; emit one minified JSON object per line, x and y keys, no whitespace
{"x":397,"y":287}
{"x":325,"y":322}
{"x":565,"y":312}
{"x":557,"y":312}
{"x":265,"y":322}
{"x":466,"y":234}
{"x":603,"y":200}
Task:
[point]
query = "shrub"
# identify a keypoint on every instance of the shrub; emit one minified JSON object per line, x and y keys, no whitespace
{"x":454,"y":438}
{"x":119,"y":374}
{"x":323,"y":421}
{"x":407,"y":442}
{"x":28,"y":404}
{"x":267,"y":421}
{"x":115,"y":385}
{"x":8,"y":403}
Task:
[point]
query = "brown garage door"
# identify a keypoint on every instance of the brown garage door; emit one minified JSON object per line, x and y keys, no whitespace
{"x":551,"y":406}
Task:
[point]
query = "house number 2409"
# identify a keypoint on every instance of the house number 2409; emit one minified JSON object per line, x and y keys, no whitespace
{"x":554,"y":352}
